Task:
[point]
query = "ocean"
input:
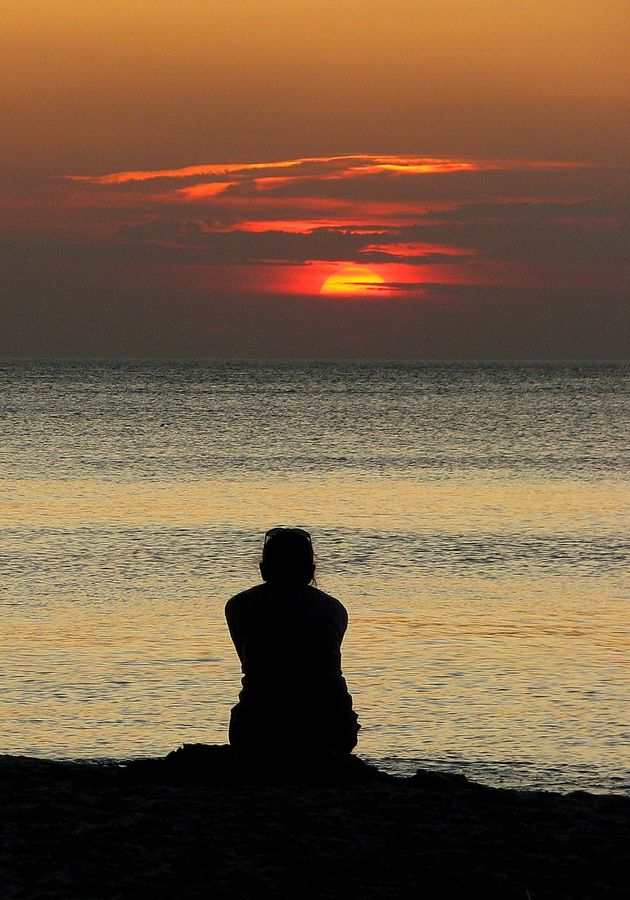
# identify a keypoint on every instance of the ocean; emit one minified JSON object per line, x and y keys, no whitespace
{"x":472,"y":517}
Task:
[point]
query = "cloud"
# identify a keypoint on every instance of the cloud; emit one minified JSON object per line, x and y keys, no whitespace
{"x":191,"y":240}
{"x":441,"y":234}
{"x":460,"y":220}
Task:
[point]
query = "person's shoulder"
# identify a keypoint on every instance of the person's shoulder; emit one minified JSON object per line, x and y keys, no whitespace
{"x":322,"y":595}
{"x":327,"y":600}
{"x":244,"y":598}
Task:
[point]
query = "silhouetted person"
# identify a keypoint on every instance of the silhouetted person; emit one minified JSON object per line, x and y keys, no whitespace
{"x":288,"y":637}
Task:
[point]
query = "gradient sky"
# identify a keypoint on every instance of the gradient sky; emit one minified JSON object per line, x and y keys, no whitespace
{"x":282,"y":178}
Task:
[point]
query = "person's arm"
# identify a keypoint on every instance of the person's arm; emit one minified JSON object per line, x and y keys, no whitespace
{"x":233,"y":620}
{"x":342,"y":620}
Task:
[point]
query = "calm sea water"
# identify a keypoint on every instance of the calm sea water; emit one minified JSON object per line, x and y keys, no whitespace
{"x":473,"y":518}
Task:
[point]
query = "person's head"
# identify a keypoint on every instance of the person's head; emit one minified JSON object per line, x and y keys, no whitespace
{"x":287,"y":558}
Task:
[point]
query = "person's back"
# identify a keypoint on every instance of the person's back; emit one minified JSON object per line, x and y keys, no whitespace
{"x":288,"y":636}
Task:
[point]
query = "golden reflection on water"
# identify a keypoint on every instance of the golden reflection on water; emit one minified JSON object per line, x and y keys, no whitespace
{"x":252,"y":504}
{"x":503,"y":663}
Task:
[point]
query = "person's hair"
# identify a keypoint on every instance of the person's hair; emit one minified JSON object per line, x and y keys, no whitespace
{"x":287,"y":558}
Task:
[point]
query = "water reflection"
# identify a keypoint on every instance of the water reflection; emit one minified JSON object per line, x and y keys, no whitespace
{"x":473,"y":519}
{"x":485,"y":619}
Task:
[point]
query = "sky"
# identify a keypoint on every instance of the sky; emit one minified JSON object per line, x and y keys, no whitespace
{"x":283,"y":178}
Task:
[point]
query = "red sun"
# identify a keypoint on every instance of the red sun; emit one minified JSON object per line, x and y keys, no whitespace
{"x":352,"y":281}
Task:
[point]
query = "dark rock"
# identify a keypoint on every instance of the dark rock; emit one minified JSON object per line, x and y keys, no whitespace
{"x":442,"y":782}
{"x":214,"y":764}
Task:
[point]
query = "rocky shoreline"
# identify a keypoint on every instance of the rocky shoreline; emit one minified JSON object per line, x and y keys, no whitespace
{"x":203,"y":822}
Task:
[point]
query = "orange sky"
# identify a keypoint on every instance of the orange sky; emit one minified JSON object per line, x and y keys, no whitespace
{"x":173,"y":173}
{"x":165,"y":83}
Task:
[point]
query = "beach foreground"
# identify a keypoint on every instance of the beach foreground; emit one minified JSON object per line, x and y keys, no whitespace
{"x":202,"y":823}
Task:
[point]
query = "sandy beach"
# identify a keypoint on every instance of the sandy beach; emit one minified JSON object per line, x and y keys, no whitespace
{"x":200,"y":823}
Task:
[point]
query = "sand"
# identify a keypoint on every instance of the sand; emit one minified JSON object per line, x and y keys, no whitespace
{"x":203,"y":824}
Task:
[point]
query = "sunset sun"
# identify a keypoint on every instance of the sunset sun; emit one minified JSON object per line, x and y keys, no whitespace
{"x":352,"y":281}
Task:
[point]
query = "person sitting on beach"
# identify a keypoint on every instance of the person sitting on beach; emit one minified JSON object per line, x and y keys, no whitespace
{"x":288,"y":636}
